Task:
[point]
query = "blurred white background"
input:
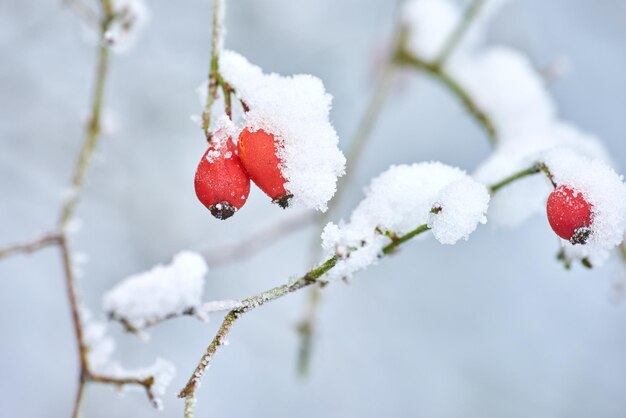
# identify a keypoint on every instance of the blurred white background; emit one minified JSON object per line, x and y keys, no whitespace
{"x":492,"y":327}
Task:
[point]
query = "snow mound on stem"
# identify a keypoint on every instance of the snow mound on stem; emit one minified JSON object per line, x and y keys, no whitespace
{"x":296,"y":111}
{"x":160,"y":292}
{"x":399,"y":201}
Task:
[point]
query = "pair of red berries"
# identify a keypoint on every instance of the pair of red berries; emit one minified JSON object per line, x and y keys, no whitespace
{"x":223,"y":176}
{"x":569,"y":214}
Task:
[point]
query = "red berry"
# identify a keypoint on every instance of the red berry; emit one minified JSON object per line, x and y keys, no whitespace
{"x":221,"y":183}
{"x":258,"y":153}
{"x":569,"y":214}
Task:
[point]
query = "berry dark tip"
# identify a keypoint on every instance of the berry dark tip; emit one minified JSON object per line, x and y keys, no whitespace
{"x":283,"y":201}
{"x":222,"y":210}
{"x":581,"y":235}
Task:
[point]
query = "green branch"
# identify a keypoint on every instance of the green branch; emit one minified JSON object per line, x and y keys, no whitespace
{"x":405,"y":58}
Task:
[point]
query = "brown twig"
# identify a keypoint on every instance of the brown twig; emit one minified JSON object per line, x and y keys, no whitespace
{"x":145,"y":382}
{"x":30,"y":246}
{"x":60,"y":239}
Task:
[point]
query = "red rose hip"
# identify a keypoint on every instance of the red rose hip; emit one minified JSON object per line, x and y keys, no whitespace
{"x":221,"y":183}
{"x":569,"y":214}
{"x":258,"y":154}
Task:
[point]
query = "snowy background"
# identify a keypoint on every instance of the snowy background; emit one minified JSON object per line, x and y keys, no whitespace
{"x":491,"y":327}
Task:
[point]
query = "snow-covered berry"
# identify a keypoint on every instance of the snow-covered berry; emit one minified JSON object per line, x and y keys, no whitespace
{"x":569,"y":214}
{"x":258,"y":153}
{"x":221,"y":183}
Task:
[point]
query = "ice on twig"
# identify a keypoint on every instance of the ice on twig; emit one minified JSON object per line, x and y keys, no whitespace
{"x":163,"y":291}
{"x":207,"y":308}
{"x":604,"y":190}
{"x":295,"y":110}
{"x":400,"y":200}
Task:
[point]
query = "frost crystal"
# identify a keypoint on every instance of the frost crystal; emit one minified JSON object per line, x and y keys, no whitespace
{"x":606,"y":193}
{"x":295,"y":110}
{"x":159,"y":292}
{"x":400,"y":200}
{"x":130,"y":16}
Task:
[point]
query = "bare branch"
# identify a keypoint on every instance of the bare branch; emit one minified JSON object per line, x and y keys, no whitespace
{"x":30,"y":246}
{"x":247,"y":305}
{"x":145,"y":382}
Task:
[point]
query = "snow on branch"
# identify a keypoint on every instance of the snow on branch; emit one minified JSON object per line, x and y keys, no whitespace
{"x":162,"y":292}
{"x":402,"y":198}
{"x":99,"y":347}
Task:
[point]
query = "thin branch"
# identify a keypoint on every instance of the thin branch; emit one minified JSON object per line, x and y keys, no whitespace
{"x":459,"y":32}
{"x":30,"y":246}
{"x":404,"y":57}
{"x":93,"y":128}
{"x":247,"y":305}
{"x":306,"y":330}
{"x":79,"y":398}
{"x":145,"y":382}
{"x":259,"y":240}
{"x":533,"y":169}
{"x":214,"y":77}
{"x":310,"y":278}
{"x":72,"y":296}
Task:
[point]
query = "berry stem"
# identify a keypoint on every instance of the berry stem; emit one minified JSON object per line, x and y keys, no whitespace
{"x":534,"y":169}
{"x":214,"y":76}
